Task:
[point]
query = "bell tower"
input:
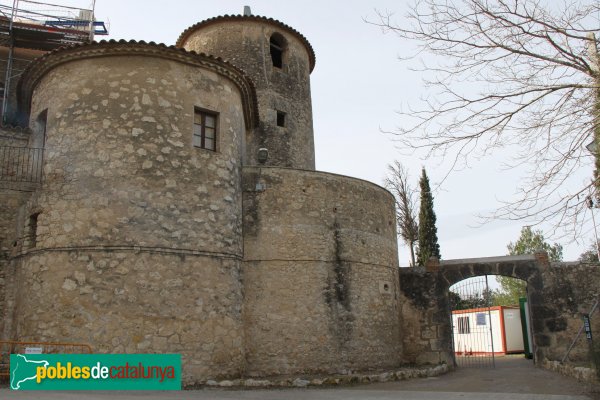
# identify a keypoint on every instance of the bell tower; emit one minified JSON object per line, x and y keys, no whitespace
{"x":279,"y":61}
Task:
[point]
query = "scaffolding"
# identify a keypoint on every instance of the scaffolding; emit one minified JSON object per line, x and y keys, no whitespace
{"x":39,"y":27}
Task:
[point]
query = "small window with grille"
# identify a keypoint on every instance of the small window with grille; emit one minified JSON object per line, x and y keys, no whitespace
{"x":205,"y":129}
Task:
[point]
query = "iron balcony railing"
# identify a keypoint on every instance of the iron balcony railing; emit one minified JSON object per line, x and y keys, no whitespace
{"x":21,"y":164}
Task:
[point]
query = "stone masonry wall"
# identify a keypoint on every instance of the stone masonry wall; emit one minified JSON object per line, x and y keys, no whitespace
{"x":424,"y":318}
{"x":320,"y":273}
{"x":13,"y":136}
{"x":570,"y":290}
{"x":120,"y":165}
{"x":136,"y":302}
{"x":11,"y":201}
{"x":138,"y":244}
{"x":12,"y":198}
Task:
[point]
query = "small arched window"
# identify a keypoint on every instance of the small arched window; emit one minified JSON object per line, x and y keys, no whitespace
{"x":277,"y":48}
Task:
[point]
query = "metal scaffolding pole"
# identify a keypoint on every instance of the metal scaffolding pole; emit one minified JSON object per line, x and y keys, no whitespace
{"x":92,"y":19}
{"x":40,"y":27}
{"x":9,"y":62}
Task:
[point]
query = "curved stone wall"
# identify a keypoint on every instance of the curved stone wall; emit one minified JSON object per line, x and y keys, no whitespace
{"x":125,"y":301}
{"x":120,"y":166}
{"x":320,"y":275}
{"x":139,"y":233}
{"x":244,"y":41}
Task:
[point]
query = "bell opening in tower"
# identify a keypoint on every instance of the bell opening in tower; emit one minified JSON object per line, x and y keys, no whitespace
{"x":277,"y":47}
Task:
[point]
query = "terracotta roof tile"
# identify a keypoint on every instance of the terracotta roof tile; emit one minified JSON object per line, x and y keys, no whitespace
{"x":184,"y":35}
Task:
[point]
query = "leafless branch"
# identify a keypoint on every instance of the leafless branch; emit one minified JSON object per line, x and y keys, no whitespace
{"x":406,"y":218}
{"x":509,"y":73}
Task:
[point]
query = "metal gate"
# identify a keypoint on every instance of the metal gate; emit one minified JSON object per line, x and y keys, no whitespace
{"x":471,"y":321}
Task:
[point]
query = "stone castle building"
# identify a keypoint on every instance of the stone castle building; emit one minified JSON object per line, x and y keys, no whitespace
{"x":180,"y":210}
{"x":159,"y":199}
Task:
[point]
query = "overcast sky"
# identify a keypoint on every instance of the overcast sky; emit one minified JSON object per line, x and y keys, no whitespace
{"x":358,"y":84}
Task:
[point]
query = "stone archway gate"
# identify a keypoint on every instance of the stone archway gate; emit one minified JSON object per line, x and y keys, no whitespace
{"x":559,"y":295}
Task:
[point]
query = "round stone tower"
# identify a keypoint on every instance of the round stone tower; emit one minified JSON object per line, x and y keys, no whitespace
{"x":279,"y":60}
{"x":136,"y":232}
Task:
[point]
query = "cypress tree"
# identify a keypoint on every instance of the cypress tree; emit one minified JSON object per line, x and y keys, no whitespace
{"x":428,"y":240}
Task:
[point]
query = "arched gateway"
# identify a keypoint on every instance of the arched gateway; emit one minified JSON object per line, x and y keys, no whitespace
{"x":559,"y":295}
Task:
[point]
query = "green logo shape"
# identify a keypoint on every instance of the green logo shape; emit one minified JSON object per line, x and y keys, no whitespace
{"x":95,"y":371}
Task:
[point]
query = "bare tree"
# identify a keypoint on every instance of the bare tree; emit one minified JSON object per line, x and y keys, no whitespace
{"x":521,"y":73}
{"x":406,"y":218}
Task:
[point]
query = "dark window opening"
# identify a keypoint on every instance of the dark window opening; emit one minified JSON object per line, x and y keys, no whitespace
{"x":277,"y":48}
{"x":205,"y":130}
{"x":39,"y":140}
{"x":280,"y":118}
{"x":2,"y":102}
{"x":464,"y":326}
{"x":32,"y":229}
